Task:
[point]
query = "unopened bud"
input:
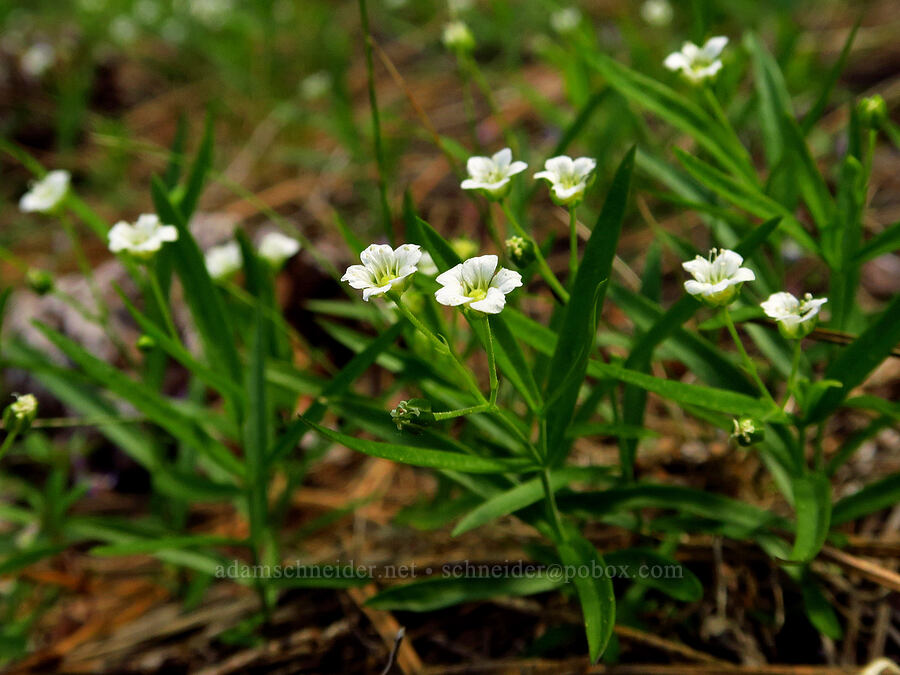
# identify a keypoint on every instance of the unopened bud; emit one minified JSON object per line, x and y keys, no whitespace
{"x":146,"y":343}
{"x":414,"y":414}
{"x":872,"y":111}
{"x":39,"y":281}
{"x":458,"y":37}
{"x":520,"y":251}
{"x":18,"y":416}
{"x":747,"y":431}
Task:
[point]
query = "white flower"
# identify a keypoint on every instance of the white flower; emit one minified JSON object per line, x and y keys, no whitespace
{"x":795,"y":318}
{"x":25,"y":407}
{"x":383,"y":269}
{"x":275,"y":248}
{"x":492,"y":175}
{"x":46,"y":194}
{"x":474,"y":283}
{"x":657,"y":12}
{"x":427,"y":266}
{"x":143,"y":239}
{"x":698,"y":63}
{"x":37,"y":59}
{"x":315,"y":86}
{"x":568,"y":178}
{"x":565,"y":20}
{"x":458,"y":37}
{"x":457,"y":6}
{"x":717,"y":279}
{"x":223,"y":261}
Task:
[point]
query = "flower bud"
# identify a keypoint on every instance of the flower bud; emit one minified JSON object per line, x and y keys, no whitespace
{"x":872,"y":111}
{"x":520,"y":251}
{"x":464,"y":247}
{"x":39,"y":281}
{"x":18,"y":416}
{"x":146,"y":343}
{"x":414,"y":414}
{"x":747,"y":431}
{"x":458,"y":38}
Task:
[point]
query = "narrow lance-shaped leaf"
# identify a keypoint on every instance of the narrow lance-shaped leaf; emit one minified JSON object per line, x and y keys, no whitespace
{"x":437,"y":593}
{"x":576,"y":332}
{"x":812,"y":503}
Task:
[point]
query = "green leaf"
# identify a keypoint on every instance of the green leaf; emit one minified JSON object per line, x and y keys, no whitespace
{"x":510,"y":359}
{"x":199,"y":170}
{"x":579,"y":323}
{"x":149,"y":546}
{"x":886,"y":241}
{"x":515,"y":499}
{"x":812,"y":503}
{"x":815,"y":113}
{"x":437,"y":593}
{"x":695,"y":502}
{"x":720,"y":400}
{"x":774,"y":100}
{"x":677,"y":111}
{"x":595,"y":591}
{"x":158,"y":410}
{"x":675,"y":580}
{"x":176,"y":154}
{"x":745,"y":196}
{"x":256,"y":433}
{"x":860,"y":358}
{"x":435,"y":459}
{"x":201,"y":294}
{"x":881,"y":494}
{"x":819,"y":611}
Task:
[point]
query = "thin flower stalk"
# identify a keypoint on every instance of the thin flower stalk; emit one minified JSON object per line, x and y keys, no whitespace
{"x":543,"y":267}
{"x":749,"y":366}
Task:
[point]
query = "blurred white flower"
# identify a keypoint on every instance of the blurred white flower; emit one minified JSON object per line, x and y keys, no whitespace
{"x":123,"y":30}
{"x":46,"y":194}
{"x":426,"y":265}
{"x":275,"y":248}
{"x":383,"y":269}
{"x":492,"y":175}
{"x":657,"y":12}
{"x":475,"y":284}
{"x":212,"y":13}
{"x":25,"y":407}
{"x":458,"y":37}
{"x":568,"y":178}
{"x":565,"y":20}
{"x":395,"y":4}
{"x":795,"y":318}
{"x":316,"y":85}
{"x":698,"y":63}
{"x":223,"y":261}
{"x":457,"y":6}
{"x":143,"y":239}
{"x":717,"y":279}
{"x":37,"y":59}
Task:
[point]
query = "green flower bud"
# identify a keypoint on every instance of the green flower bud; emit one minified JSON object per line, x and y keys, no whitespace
{"x":520,"y":251}
{"x":458,"y":38}
{"x":39,"y":281}
{"x":414,"y":414}
{"x":18,"y":416}
{"x":872,"y":111}
{"x":146,"y":343}
{"x":464,"y":247}
{"x":747,"y":431}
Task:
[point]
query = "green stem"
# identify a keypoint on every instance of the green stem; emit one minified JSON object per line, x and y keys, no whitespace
{"x":543,"y":267}
{"x":551,"y":504}
{"x":462,"y":412}
{"x":471,"y":65}
{"x":7,"y":442}
{"x":376,"y":124}
{"x":795,"y":365}
{"x":161,"y":302}
{"x":573,"y":245}
{"x":748,"y":362}
{"x":493,"y":232}
{"x":492,"y":363}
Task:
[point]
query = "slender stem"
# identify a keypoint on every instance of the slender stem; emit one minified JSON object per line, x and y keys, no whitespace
{"x":161,"y":302}
{"x":462,"y":412}
{"x":376,"y":123}
{"x":551,"y":504}
{"x":493,"y":230}
{"x":795,"y":365}
{"x":544,"y":268}
{"x":441,"y":346}
{"x":7,"y":442}
{"x":573,"y":245}
{"x":492,"y":364}
{"x":471,"y":65}
{"x":748,"y":362}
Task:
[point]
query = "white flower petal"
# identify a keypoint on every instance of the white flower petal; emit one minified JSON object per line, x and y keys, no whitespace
{"x":479,"y":167}
{"x":375,"y":290}
{"x":714,"y":46}
{"x":516,"y":168}
{"x":583,"y":166}
{"x":676,"y":61}
{"x":502,"y":159}
{"x":506,"y":280}
{"x":699,"y":268}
